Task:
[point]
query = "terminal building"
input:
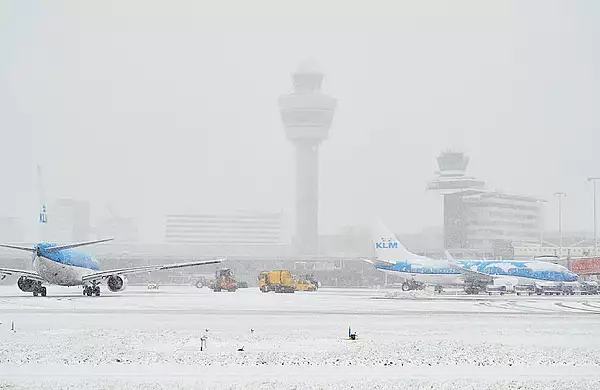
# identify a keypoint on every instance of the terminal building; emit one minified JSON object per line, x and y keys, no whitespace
{"x":240,"y":228}
{"x":479,"y":221}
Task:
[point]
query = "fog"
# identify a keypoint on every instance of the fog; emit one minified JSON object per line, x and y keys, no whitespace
{"x":160,"y":107}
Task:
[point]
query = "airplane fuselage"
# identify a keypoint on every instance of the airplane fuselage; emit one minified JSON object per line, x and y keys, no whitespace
{"x":65,"y":267}
{"x":517,"y":272}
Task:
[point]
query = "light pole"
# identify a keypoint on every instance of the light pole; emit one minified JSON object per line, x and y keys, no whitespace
{"x":593,"y":180}
{"x":560,"y":196}
{"x":541,"y":224}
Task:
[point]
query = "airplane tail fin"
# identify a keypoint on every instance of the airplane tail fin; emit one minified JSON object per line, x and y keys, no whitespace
{"x":43,"y":216}
{"x":387,"y":247}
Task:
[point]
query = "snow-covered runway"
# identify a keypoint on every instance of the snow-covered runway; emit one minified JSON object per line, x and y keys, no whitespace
{"x":151,"y":339}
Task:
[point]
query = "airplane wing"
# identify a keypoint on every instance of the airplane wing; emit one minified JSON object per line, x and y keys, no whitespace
{"x":4,"y":272}
{"x":97,"y":276}
{"x":378,"y":261}
{"x":470,"y":275}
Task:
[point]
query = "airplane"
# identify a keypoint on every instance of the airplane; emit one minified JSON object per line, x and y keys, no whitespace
{"x":474,"y":275}
{"x":64,"y":266}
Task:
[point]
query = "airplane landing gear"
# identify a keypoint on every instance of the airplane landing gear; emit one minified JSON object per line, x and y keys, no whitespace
{"x":411,"y":285}
{"x":472,"y":290}
{"x":91,"y":290}
{"x":38,"y":289}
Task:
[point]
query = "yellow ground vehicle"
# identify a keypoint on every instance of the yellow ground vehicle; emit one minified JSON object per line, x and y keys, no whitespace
{"x":305,"y":285}
{"x":278,"y":281}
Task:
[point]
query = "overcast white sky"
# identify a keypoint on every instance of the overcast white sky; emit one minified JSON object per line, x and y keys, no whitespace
{"x":171,"y":106}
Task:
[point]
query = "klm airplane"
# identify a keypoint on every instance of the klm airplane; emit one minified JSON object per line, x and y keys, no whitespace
{"x":415,"y":270}
{"x":63,"y":265}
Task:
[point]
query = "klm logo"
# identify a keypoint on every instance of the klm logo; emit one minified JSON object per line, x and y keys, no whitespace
{"x":386,"y":244}
{"x":43,"y":216}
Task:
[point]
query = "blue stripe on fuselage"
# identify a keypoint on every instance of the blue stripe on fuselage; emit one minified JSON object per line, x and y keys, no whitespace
{"x":69,"y":257}
{"x":488,"y":267}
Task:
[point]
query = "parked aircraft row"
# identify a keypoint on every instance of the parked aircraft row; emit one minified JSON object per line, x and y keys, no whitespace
{"x":473,"y":275}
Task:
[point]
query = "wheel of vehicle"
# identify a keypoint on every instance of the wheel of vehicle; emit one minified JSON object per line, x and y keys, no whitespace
{"x":405,"y":286}
{"x":35,"y":293}
{"x":43,"y":291}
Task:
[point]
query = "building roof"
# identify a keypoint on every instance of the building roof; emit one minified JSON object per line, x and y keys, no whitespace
{"x":483,"y":193}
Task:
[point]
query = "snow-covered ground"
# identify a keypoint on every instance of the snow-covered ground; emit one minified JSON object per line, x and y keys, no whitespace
{"x":150,"y":339}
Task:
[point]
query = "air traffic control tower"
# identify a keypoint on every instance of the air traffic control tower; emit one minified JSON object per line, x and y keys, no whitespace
{"x":307,"y":115}
{"x":452,"y":175}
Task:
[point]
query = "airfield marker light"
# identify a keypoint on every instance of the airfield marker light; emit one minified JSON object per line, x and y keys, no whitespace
{"x":351,"y":336}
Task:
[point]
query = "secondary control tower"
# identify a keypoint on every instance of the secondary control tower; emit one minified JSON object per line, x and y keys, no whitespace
{"x":307,"y":115}
{"x":452,"y":175}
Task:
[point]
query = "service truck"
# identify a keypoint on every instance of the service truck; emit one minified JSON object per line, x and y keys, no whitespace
{"x":280,"y":281}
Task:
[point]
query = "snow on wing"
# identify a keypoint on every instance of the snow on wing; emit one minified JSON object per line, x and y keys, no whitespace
{"x":149,"y":268}
{"x":29,"y":274}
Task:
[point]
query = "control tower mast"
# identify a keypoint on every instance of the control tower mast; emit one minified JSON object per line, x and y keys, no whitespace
{"x":307,"y":115}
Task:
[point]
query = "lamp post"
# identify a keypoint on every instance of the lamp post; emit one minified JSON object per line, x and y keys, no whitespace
{"x":541,"y":224}
{"x":593,"y":180}
{"x":560,"y":242}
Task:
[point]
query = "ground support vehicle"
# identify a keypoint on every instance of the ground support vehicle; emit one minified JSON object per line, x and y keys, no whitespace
{"x":280,"y":281}
{"x":524,"y":289}
{"x":224,"y":281}
{"x":548,"y":289}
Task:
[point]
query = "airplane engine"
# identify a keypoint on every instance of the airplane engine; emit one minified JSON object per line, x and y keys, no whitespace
{"x":26,"y":285}
{"x":117,"y":283}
